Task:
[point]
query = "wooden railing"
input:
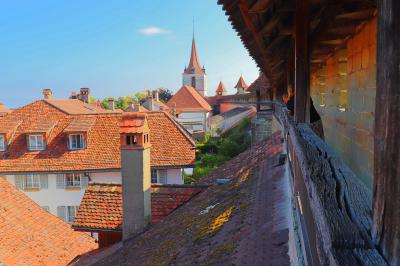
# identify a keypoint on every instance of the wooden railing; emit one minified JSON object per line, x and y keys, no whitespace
{"x":333,"y":205}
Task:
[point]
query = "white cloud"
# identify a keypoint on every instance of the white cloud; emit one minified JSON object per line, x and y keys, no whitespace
{"x":152,"y":31}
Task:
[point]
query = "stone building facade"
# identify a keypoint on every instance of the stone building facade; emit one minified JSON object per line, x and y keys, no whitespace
{"x":343,"y":92}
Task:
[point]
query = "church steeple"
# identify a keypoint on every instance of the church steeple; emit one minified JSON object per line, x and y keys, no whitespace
{"x":194,"y":75}
{"x":194,"y":65}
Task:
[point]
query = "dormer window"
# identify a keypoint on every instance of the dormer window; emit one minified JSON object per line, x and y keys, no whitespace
{"x":2,"y":143}
{"x":36,"y":143}
{"x":76,"y":142}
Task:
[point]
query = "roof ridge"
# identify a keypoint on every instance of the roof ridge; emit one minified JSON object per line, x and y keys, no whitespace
{"x":181,"y":128}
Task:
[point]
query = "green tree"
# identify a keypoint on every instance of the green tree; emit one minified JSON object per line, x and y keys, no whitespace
{"x":165,"y":95}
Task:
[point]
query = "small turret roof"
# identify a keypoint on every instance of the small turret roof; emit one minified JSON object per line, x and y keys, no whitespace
{"x":221,"y":87}
{"x":241,"y":84}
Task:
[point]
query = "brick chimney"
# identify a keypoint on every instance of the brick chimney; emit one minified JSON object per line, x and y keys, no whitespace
{"x":135,"y":164}
{"x":47,"y":94}
{"x":156,"y":94}
{"x":84,"y":95}
{"x":136,"y":107}
{"x":111,"y":104}
{"x":74,"y":95}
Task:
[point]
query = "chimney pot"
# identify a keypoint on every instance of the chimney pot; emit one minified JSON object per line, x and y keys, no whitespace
{"x":84,"y":95}
{"x":47,"y":93}
{"x":111,"y":104}
{"x":174,"y":109}
{"x":157,"y":95}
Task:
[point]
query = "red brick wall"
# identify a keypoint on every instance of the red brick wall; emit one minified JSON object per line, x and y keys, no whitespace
{"x":350,"y":75}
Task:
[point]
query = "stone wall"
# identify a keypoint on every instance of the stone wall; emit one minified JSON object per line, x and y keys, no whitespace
{"x":343,"y":92}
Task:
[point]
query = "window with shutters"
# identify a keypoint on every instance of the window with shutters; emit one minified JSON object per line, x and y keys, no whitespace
{"x":36,"y":143}
{"x":162,"y":176}
{"x":76,"y":142}
{"x":2,"y":143}
{"x":67,"y":213}
{"x":32,"y":181}
{"x":154,"y":176}
{"x":71,"y":212}
{"x":73,"y":180}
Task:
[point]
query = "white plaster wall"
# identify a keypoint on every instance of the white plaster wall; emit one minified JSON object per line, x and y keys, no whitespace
{"x":106,"y":177}
{"x":54,"y":197}
{"x":197,"y":119}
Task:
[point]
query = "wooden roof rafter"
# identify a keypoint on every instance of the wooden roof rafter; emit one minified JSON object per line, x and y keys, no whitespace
{"x":265,"y":26}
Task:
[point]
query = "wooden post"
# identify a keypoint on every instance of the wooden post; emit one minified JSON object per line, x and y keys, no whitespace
{"x":302,"y":63}
{"x":386,"y":187}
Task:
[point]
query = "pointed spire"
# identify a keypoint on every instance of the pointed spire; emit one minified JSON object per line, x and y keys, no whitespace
{"x":194,"y":65}
{"x":220,"y":89}
{"x":241,"y":84}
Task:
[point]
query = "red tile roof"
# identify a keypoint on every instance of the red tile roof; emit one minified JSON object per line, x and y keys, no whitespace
{"x":194,"y":65}
{"x":3,"y":109}
{"x":31,"y":236}
{"x":41,"y":125}
{"x":188,"y":99}
{"x":81,"y":124}
{"x":171,"y":145}
{"x":77,"y":107}
{"x":261,"y":83}
{"x":241,"y":83}
{"x":101,"y":206}
{"x":221,"y":88}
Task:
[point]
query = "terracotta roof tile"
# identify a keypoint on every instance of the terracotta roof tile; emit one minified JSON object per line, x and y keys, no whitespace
{"x":8,"y":125}
{"x":40,"y":125}
{"x":31,"y":236}
{"x":188,"y":99}
{"x":241,"y":84}
{"x":170,"y":145}
{"x":77,"y":107}
{"x":101,"y":206}
{"x":81,"y":124}
{"x":221,"y":87}
{"x":194,"y":65}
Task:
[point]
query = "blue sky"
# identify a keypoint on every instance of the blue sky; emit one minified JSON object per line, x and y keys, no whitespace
{"x":113,"y":47}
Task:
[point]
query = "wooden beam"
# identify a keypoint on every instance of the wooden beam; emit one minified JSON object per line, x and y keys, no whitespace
{"x":302,"y":64}
{"x":326,"y":19}
{"x":260,"y":6}
{"x":386,"y":186}
{"x":244,"y":11}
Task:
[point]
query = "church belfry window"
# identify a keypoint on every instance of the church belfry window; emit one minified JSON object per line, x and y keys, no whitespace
{"x":193,"y":82}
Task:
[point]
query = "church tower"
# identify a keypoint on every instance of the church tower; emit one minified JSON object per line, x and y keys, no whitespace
{"x":194,"y":75}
